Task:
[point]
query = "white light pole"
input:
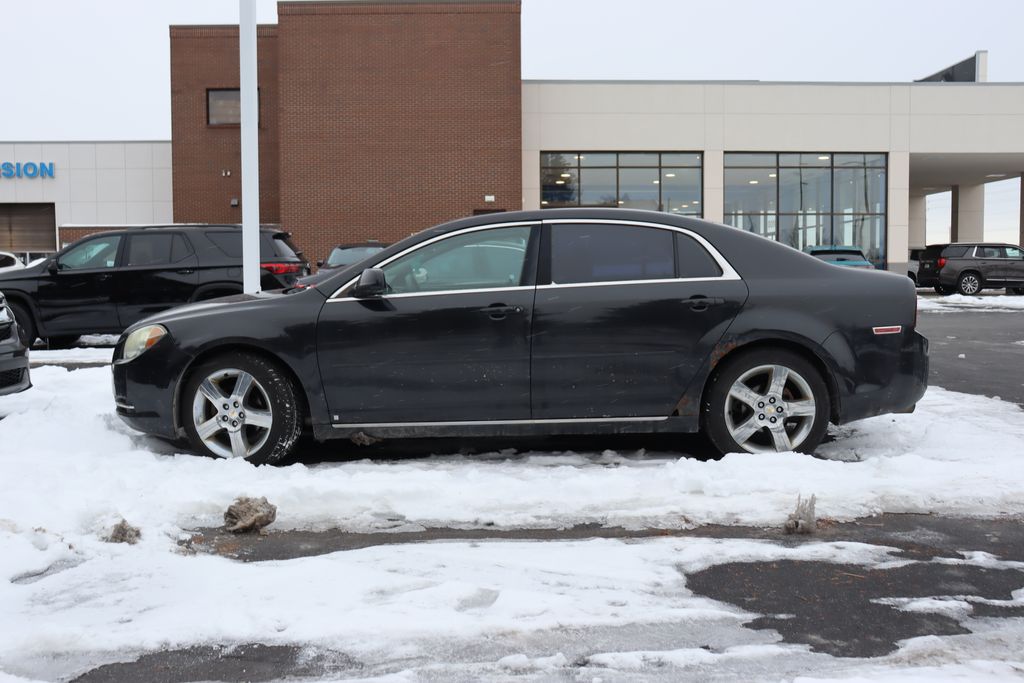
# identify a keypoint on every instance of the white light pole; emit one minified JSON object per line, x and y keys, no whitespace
{"x":249,"y":99}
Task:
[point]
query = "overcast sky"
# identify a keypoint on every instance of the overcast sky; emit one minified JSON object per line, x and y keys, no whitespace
{"x":99,"y":70}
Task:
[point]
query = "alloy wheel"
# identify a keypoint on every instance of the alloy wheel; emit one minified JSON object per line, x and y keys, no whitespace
{"x":231,"y":413}
{"x":969,"y":284}
{"x":770,"y":408}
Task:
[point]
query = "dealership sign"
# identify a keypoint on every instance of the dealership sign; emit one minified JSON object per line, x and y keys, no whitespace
{"x":28,"y":169}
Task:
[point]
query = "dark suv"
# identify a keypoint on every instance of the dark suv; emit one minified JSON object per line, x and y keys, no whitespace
{"x":103,"y":283}
{"x":969,"y":267}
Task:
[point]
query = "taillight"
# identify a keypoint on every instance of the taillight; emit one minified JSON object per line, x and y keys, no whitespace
{"x":281,"y":268}
{"x":942,"y":263}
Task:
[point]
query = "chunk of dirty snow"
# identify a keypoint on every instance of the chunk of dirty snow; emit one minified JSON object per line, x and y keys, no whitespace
{"x":123,"y":532}
{"x":249,"y":514}
{"x":802,"y":520}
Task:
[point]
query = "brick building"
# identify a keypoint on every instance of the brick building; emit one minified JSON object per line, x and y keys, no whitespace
{"x":377,"y":119}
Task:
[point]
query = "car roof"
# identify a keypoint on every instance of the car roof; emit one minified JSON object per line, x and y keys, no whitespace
{"x":264,"y":227}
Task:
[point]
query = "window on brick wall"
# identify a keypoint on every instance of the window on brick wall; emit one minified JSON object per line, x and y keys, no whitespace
{"x":223,"y":107}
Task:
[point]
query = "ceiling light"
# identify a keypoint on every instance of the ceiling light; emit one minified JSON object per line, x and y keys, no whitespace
{"x":996,"y":175}
{"x":559,"y":182}
{"x":621,"y":202}
{"x":752,"y":182}
{"x":656,"y":182}
{"x":670,"y":175}
{"x":695,"y":201}
{"x":824,"y":157}
{"x":567,"y":175}
{"x":771,"y":175}
{"x":543,"y":201}
{"x":686,"y":206}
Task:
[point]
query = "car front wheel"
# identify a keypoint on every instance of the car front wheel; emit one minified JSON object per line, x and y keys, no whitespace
{"x":765,"y":401}
{"x":968,"y":284}
{"x":241,"y":405}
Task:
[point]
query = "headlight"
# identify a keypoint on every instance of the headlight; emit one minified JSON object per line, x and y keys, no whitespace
{"x":5,"y":316}
{"x":142,"y":339}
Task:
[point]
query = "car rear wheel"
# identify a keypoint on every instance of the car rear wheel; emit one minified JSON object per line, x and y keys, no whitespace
{"x":241,"y":405}
{"x":1016,"y":290}
{"x":944,"y":291}
{"x":65,"y":342}
{"x":766,"y":401}
{"x":968,"y":284}
{"x":26,"y":324}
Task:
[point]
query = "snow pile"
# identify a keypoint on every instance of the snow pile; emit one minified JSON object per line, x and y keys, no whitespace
{"x":69,"y":465}
{"x":959,"y":302}
{"x":87,"y":355}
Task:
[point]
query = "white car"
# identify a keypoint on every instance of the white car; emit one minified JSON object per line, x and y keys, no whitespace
{"x":9,"y":261}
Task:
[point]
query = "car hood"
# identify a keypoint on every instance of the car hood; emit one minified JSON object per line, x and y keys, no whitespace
{"x":220,"y":307}
{"x":27,"y":273}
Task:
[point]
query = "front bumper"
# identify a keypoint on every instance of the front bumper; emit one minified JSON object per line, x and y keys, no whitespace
{"x":145,"y":387}
{"x":14,"y":373}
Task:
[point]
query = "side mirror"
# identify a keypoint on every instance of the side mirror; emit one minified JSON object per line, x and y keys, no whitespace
{"x":320,"y":264}
{"x":371,"y":284}
{"x":52,"y":267}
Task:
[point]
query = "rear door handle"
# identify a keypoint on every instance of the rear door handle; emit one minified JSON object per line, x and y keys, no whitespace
{"x":103,"y":277}
{"x":185,"y":271}
{"x":499,"y":311}
{"x":700,"y":302}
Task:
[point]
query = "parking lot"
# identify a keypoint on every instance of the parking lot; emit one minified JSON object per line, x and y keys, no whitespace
{"x":600,"y":558}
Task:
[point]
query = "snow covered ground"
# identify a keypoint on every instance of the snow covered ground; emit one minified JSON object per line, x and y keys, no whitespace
{"x":69,"y":470}
{"x":959,"y":302}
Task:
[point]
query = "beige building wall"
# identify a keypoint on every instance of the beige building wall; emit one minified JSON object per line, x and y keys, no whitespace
{"x":899,"y":119}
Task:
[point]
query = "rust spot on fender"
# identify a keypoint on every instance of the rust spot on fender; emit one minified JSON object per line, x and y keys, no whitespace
{"x":722,"y":350}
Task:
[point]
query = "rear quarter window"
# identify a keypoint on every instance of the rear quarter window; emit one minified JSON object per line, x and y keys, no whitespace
{"x":230,"y":244}
{"x":693,"y":260}
{"x":956,"y":251}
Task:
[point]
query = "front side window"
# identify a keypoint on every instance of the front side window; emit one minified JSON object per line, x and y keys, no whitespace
{"x":484,"y":259}
{"x":609,"y":253}
{"x":1014,"y":252}
{"x":97,"y":253}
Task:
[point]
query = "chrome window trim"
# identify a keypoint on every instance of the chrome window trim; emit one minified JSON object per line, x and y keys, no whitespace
{"x":463,"y":231}
{"x":728,"y":272}
{"x":472,"y":423}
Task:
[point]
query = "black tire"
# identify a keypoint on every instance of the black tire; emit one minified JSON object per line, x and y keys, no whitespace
{"x":1015,"y":290}
{"x":716,"y":402}
{"x":26,"y":323}
{"x":944,"y":291}
{"x":273,"y":392}
{"x":63,"y":342}
{"x":969,"y":283}
{"x":913,"y":278}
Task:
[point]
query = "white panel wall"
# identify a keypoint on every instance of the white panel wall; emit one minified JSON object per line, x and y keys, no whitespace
{"x":713,"y":118}
{"x":95,"y":182}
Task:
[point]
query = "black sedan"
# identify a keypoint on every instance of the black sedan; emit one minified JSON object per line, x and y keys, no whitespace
{"x":574,"y":321}
{"x":14,"y":374}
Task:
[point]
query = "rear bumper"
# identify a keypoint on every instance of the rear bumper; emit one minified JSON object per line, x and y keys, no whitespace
{"x":14,"y":373}
{"x":891,"y":377}
{"x":944,"y":277}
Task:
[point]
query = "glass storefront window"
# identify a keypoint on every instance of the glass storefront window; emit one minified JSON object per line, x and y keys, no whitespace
{"x":860,"y":190}
{"x":805,"y":190}
{"x":806,"y":199}
{"x":657,"y":181}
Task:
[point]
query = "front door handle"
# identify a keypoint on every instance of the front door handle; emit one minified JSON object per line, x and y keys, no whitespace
{"x":500,"y":311}
{"x":185,"y":271}
{"x":699,"y":302}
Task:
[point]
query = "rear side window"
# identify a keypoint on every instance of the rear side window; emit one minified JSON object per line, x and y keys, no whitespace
{"x":608,"y":253}
{"x":270,"y":247}
{"x":156,"y":249}
{"x":989,"y":252}
{"x":693,"y":260}
{"x":955,"y":251}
